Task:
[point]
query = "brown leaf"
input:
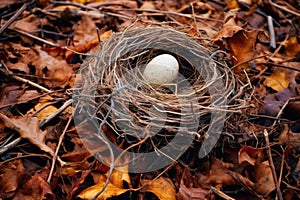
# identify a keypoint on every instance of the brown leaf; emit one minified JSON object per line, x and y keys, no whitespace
{"x":229,"y":29}
{"x":242,"y":46}
{"x":78,"y":154}
{"x":57,"y":72}
{"x":288,"y":137}
{"x":11,"y":175}
{"x":85,"y":31}
{"x":162,"y":187}
{"x":190,"y":188}
{"x":264,"y":182}
{"x":89,"y":45}
{"x":28,"y":128}
{"x":279,"y":80}
{"x":18,"y":57}
{"x":292,"y":46}
{"x":220,"y":175}
{"x":9,"y":94}
{"x":251,"y":155}
{"x":35,"y":188}
{"x":27,"y":24}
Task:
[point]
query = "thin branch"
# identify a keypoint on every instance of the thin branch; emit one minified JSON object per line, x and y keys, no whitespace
{"x":284,"y":8}
{"x":55,"y":156}
{"x":10,"y":145}
{"x":35,"y":37}
{"x":25,"y":81}
{"x":277,"y":185}
{"x":50,"y":117}
{"x":272,"y":33}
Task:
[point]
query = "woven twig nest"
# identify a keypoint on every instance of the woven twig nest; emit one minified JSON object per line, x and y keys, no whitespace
{"x":138,"y":110}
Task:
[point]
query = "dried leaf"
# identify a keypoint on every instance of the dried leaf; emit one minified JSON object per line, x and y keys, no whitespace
{"x":120,"y":177}
{"x":287,"y":136}
{"x":190,"y":188}
{"x":251,"y":155}
{"x":229,"y":29}
{"x":292,"y":46}
{"x":11,"y":175}
{"x":110,"y":191}
{"x":57,"y":72}
{"x":278,"y":81}
{"x":232,"y":4}
{"x":35,"y":188}
{"x":242,"y":46}
{"x":264,"y":182}
{"x":162,"y":187}
{"x":85,"y":31}
{"x":28,"y":128}
{"x":89,"y":45}
{"x":44,"y":104}
{"x":27,"y":24}
{"x":220,"y":175}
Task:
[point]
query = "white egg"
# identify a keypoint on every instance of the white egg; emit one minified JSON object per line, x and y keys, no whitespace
{"x":162,"y":69}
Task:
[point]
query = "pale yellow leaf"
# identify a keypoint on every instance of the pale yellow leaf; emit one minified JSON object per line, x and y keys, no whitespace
{"x":162,"y":187}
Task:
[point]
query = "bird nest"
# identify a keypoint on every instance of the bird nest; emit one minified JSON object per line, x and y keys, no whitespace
{"x":192,"y":106}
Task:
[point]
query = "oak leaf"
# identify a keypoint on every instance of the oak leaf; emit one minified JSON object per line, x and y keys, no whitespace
{"x":28,"y":128}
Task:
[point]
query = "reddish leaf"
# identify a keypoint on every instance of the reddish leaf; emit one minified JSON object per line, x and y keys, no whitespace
{"x":11,"y":175}
{"x":35,"y":188}
{"x":251,"y":155}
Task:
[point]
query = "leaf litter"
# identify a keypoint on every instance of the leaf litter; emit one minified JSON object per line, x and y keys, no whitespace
{"x":47,"y":41}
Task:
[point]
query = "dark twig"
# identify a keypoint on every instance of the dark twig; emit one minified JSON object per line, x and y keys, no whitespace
{"x":6,"y":73}
{"x":55,"y":156}
{"x":277,"y":185}
{"x":50,"y":117}
{"x":272,"y":33}
{"x":35,"y":37}
{"x":13,"y":18}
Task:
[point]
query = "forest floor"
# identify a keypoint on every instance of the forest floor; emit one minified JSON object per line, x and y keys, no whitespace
{"x":43,"y":44}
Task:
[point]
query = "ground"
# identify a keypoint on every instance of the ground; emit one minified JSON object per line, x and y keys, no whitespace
{"x":45,"y":44}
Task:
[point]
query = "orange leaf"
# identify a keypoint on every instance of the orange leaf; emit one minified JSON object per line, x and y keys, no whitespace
{"x":278,"y":81}
{"x":88,"y":45}
{"x":292,"y":46}
{"x":232,"y":4}
{"x":44,"y":104}
{"x":242,"y":46}
{"x":162,"y":187}
{"x":110,"y":191}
